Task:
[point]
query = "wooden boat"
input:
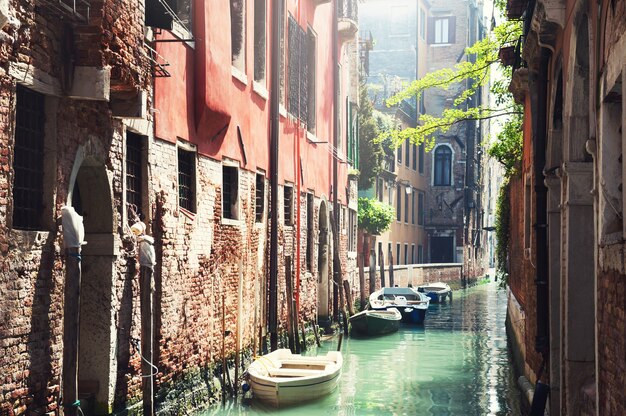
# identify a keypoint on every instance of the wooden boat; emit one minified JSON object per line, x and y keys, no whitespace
{"x":376,"y":322}
{"x":282,"y":378}
{"x":437,"y":291}
{"x":411,"y":303}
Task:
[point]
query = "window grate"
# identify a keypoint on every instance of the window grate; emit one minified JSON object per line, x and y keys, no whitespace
{"x":186,"y":167}
{"x":230,"y":184}
{"x":288,"y":201}
{"x":134,"y":176}
{"x":28,"y":160}
{"x":259,"y":197}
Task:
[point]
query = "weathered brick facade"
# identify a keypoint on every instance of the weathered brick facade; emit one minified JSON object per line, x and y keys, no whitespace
{"x":573,"y":297}
{"x":96,"y":84}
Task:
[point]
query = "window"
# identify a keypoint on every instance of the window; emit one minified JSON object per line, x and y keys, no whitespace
{"x":422,"y":23}
{"x":420,"y":208}
{"x":230,"y":192}
{"x":311,"y":70}
{"x":441,"y":30}
{"x":281,"y":74}
{"x":168,"y":14}
{"x":527,"y":215}
{"x":400,"y":154}
{"x":301,"y":79}
{"x":309,"y":231}
{"x":420,"y":254}
{"x":238,"y":34}
{"x":412,"y":253}
{"x":259,"y":41}
{"x":406,"y":204}
{"x":134,"y":173}
{"x":380,"y":189}
{"x":259,"y":199}
{"x":407,"y":153}
{"x":28,"y":160}
{"x":399,"y":21}
{"x":288,"y":205}
{"x":443,"y":165}
{"x":406,"y":253}
{"x":398,"y":245}
{"x":186,"y":179}
{"x":421,"y":158}
{"x":414,"y":148}
{"x":413,"y":206}
{"x":399,"y":203}
{"x":352,"y":230}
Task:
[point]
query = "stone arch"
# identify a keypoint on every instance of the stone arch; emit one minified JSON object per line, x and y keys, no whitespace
{"x":323,"y":263}
{"x":90,"y":195}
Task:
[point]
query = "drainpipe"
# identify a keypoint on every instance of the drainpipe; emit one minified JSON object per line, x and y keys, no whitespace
{"x":298,"y":177}
{"x":274,"y":142}
{"x":336,"y":260}
{"x":542,"y":341}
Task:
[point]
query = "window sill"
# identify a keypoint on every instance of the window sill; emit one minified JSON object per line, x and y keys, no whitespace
{"x":239,"y":75}
{"x":282,"y":111}
{"x":183,"y":34}
{"x":260,"y":90}
{"x":439,"y":45}
{"x":230,"y":221}
{"x":187,"y":213}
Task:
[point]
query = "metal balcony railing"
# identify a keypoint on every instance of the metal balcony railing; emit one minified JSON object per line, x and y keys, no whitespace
{"x":76,"y":10}
{"x":349,"y":9}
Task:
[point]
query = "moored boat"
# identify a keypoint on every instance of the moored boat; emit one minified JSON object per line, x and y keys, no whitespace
{"x":376,"y":322}
{"x":437,"y":291}
{"x":411,"y":304}
{"x":282,"y":378}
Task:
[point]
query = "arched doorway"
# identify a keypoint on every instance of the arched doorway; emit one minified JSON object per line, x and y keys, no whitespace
{"x":97,"y":368}
{"x":323,"y":311}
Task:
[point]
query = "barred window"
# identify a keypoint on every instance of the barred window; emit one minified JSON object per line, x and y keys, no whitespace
{"x":259,"y":40}
{"x":301,"y":78}
{"x":238,"y":33}
{"x":259,"y":206}
{"x":309,"y":231}
{"x":230,"y":192}
{"x":288,"y":201}
{"x":186,"y":179}
{"x":134,"y":171}
{"x":28,"y":160}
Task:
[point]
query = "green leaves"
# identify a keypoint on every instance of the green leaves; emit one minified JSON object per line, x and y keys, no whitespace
{"x":375,"y":217}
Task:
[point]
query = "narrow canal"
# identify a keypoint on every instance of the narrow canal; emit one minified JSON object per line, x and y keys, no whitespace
{"x":457,"y":363}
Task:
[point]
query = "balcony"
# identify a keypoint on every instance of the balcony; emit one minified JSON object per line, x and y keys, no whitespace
{"x":75,"y":10}
{"x":348,"y":19}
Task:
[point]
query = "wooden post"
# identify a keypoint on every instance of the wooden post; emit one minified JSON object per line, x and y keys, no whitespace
{"x":317,"y":334}
{"x":146,"y":290}
{"x":382,"y":268}
{"x":390,"y":269}
{"x":224,"y":369}
{"x":289,"y":287}
{"x":363,"y":293}
{"x":238,"y":326}
{"x":372,"y":271}
{"x":71,"y":328}
{"x":346,"y":288}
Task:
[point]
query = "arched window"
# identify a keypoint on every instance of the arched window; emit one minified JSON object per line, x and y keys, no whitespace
{"x":443,"y":166}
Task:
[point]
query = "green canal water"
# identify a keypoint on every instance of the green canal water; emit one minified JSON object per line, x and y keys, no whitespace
{"x":457,"y":363}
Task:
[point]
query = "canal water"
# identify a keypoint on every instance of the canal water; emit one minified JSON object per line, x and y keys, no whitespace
{"x":457,"y":363}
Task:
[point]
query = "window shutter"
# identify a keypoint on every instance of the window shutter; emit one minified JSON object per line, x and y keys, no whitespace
{"x":431,"y":30}
{"x":452,"y":29}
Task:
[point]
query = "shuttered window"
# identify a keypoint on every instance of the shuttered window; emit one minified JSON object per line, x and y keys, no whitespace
{"x":442,"y":30}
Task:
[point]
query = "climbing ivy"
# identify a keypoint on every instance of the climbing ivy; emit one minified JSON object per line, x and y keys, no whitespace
{"x":503,"y":235}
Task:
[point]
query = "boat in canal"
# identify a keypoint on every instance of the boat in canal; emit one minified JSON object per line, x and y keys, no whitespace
{"x":437,"y":292}
{"x":282,"y":378}
{"x":411,"y":303}
{"x":376,"y":322}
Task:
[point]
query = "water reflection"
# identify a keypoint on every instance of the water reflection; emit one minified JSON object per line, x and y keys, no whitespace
{"x":456,"y":364}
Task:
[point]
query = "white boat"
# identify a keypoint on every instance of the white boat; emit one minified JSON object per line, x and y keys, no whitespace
{"x":411,"y":304}
{"x":437,"y":291}
{"x":281,"y":378}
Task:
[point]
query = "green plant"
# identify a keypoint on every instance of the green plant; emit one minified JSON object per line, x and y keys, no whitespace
{"x":375,"y":217}
{"x":503,"y":235}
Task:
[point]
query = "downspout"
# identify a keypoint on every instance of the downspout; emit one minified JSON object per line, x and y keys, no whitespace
{"x":542,"y":341}
{"x":298,"y":177}
{"x":274,"y":143}
{"x":335,"y":61}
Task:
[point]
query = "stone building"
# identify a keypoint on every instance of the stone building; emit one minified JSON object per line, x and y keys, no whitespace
{"x":163,"y":112}
{"x":567,"y":299}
